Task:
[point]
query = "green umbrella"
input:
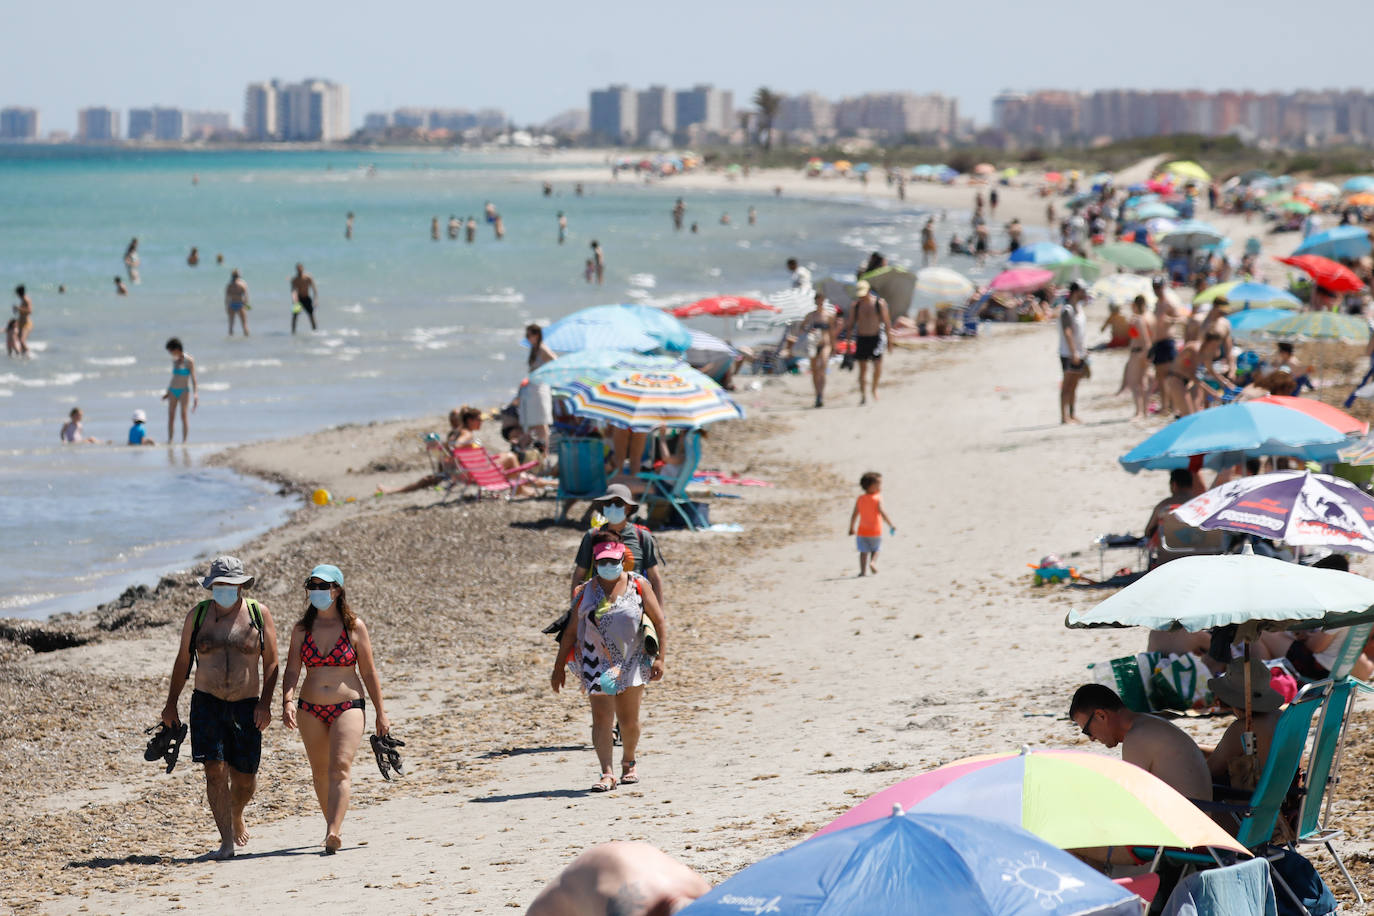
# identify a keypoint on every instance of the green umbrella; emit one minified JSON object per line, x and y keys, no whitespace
{"x":1074,"y":269}
{"x":1129,"y":255}
{"x":1296,"y":206}
{"x":1319,"y":326}
{"x":1212,"y":292}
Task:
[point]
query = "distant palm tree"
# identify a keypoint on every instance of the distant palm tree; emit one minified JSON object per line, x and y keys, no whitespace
{"x":767,"y":102}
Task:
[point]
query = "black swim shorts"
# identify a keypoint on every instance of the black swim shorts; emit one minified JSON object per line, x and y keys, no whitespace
{"x":307,"y":304}
{"x":868,"y":347}
{"x":224,"y":730}
{"x":1163,"y":352}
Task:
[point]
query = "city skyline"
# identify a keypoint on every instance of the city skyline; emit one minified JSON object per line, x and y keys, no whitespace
{"x":408,"y":56}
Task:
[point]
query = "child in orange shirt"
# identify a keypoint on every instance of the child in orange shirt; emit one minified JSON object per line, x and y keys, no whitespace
{"x":869,"y":515}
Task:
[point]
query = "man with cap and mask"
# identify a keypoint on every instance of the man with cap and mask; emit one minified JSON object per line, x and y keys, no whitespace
{"x":229,"y":634}
{"x":617,"y":506}
{"x":1073,"y":351}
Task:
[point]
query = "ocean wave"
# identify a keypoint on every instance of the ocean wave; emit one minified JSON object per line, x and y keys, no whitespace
{"x":15,"y":601}
{"x":743,"y":243}
{"x":497,"y":355}
{"x":646,"y":281}
{"x":61,"y":379}
{"x":713,"y":272}
{"x":112,"y":360}
{"x":507,"y":295}
{"x":6,"y":393}
{"x":249,"y":363}
{"x":215,"y":386}
{"x":354,"y":309}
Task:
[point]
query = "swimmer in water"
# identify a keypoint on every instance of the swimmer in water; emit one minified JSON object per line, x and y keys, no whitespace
{"x":131,"y":260}
{"x":348,"y":226}
{"x":183,"y":390}
{"x":236,"y":302}
{"x":434,"y":228}
{"x":471,"y":229}
{"x":193,"y":259}
{"x":23,"y":321}
{"x":120,"y":288}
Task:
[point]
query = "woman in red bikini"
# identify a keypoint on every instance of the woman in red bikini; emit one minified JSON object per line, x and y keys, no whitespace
{"x":333,"y":647}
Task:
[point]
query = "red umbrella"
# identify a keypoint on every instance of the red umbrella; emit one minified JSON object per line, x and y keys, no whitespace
{"x":722,"y":306}
{"x":1324,"y":413}
{"x":1021,"y":280}
{"x":1326,"y":273}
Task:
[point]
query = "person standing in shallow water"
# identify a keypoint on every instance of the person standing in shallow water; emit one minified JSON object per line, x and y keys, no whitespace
{"x":598,"y":262}
{"x":303,"y":295}
{"x":236,"y":301}
{"x":131,"y":260}
{"x":333,"y":646}
{"x":229,"y":635}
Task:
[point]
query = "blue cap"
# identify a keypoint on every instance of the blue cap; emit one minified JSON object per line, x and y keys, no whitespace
{"x":328,"y":573}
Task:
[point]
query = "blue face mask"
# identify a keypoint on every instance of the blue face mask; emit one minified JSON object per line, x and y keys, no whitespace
{"x":226,"y":596}
{"x":613,"y":514}
{"x":609,"y":570}
{"x":320,"y":598}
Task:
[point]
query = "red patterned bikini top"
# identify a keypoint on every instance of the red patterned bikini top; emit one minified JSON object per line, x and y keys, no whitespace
{"x":343,"y":655}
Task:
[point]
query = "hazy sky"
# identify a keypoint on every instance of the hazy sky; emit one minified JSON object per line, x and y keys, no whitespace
{"x":535,"y":58}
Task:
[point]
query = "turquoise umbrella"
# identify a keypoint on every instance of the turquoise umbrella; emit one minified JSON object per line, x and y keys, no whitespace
{"x":1228,"y":435}
{"x":1156,"y":209}
{"x":1261,"y":295}
{"x":595,"y":365}
{"x":1247,"y":322}
{"x":617,"y":327}
{"x":1358,"y":183}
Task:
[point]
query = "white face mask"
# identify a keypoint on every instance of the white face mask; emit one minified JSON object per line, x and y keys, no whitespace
{"x":611,"y":569}
{"x":320,"y":598}
{"x":613,"y":515}
{"x":226,"y":596}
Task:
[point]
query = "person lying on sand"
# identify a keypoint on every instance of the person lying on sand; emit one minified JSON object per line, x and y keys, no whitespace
{"x":628,"y":879}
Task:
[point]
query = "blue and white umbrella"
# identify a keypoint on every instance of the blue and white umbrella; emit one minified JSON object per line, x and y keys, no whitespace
{"x":595,"y":365}
{"x":1041,"y":253}
{"x":1358,"y":183}
{"x":1192,"y":233}
{"x":617,"y":327}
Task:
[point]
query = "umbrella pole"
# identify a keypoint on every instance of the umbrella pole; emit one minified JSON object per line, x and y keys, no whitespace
{"x":1247,"y":738}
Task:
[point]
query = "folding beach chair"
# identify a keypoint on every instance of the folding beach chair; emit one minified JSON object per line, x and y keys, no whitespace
{"x":1177,"y":539}
{"x":480,"y":470}
{"x":1323,"y":767}
{"x":581,"y":471}
{"x":672,"y":489}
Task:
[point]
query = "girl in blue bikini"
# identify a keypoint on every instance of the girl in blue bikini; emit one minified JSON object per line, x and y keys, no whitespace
{"x":182,"y":389}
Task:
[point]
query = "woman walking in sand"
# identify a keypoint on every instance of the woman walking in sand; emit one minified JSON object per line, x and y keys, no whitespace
{"x":332,"y":644}
{"x":1135,"y":377}
{"x":611,"y":652}
{"x":816,"y":338}
{"x":182,"y":390}
{"x":536,"y":400}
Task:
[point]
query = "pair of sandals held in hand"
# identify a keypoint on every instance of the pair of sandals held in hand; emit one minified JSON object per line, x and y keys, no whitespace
{"x":166,"y":745}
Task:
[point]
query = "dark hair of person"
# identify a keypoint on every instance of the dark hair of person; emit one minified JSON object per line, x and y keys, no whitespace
{"x":1182,"y":478}
{"x":19,"y":290}
{"x":467,"y":414}
{"x":604,"y":535}
{"x":1278,"y":382}
{"x":1252,"y":466}
{"x":1211,"y":337}
{"x":1335,"y":561}
{"x":1091,"y":697}
{"x":535,"y":331}
{"x":345,"y":612}
{"x":1286,"y":347}
{"x":869,"y":479}
{"x":174,"y":343}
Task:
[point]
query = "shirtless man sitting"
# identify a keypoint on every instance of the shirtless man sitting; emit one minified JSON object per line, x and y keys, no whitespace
{"x":1150,"y":743}
{"x":628,"y":879}
{"x":231,"y":704}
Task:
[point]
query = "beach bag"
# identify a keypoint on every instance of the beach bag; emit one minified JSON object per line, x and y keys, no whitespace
{"x":1177,"y":682}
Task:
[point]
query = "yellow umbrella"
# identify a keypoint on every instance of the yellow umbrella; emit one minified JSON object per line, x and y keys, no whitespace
{"x":1185,"y":168}
{"x":1010,"y":172}
{"x":843,"y":165}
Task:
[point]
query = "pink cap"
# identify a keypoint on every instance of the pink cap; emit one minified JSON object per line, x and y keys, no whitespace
{"x":609,"y":550}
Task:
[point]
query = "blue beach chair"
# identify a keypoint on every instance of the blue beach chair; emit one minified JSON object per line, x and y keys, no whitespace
{"x":672,"y":490}
{"x":581,"y":471}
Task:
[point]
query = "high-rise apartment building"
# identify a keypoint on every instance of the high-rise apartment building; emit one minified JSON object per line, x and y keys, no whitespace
{"x":807,"y":111}
{"x":201,"y":125}
{"x":311,"y":110}
{"x":713,"y":109}
{"x":656,"y":112}
{"x":18,"y":123}
{"x":141,"y":123}
{"x":169,"y":124}
{"x":614,"y":114}
{"x":97,"y":125}
{"x":260,"y":111}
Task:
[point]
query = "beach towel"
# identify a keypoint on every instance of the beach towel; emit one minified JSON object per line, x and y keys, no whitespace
{"x":1243,"y":888}
{"x":720,"y":477}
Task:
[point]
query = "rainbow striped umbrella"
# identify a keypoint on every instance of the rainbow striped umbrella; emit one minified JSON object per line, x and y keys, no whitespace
{"x":643,"y":400}
{"x":1070,"y":799}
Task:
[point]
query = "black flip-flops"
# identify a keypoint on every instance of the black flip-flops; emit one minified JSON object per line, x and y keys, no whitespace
{"x":384,"y":748}
{"x":166,"y":744}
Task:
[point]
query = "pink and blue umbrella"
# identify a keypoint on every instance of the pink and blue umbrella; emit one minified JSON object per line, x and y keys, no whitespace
{"x":1228,"y":435}
{"x":920,"y":863}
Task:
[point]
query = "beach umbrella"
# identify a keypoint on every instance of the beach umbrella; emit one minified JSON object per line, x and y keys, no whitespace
{"x":1010,"y":172}
{"x":1101,"y":178}
{"x":1020,"y":280}
{"x":1325,"y":272}
{"x":1359,"y":454}
{"x":1041,"y":254}
{"x":1362,"y":199}
{"x":1075,"y":269}
{"x":1053,"y":177}
{"x":1300,"y":207}
{"x":721,"y":307}
{"x":702,"y":343}
{"x":843,"y":165}
{"x":1251,"y":176}
{"x":616,"y":327}
{"x":1358,"y":183}
{"x":923,"y":170}
{"x":1121,"y":289}
{"x":1141,"y":199}
{"x":642,"y":399}
{"x":943,"y":283}
{"x":1337,"y":242}
{"x":1319,"y":326}
{"x":1129,"y":255}
{"x":1160,"y":226}
{"x":863,"y":168}
{"x":1248,"y":294}
{"x":1246,"y":590}
{"x":984,"y":168}
{"x":1155,"y":208}
{"x":1191,"y":233}
{"x":1071,"y":799}
{"x":1188,"y":170}
{"x":1248,"y":322}
{"x":1317,"y":190}
{"x":1230,"y":434}
{"x":595,"y":365}
{"x":1298,"y":508}
{"x":895,"y":285}
{"x":928,"y":863}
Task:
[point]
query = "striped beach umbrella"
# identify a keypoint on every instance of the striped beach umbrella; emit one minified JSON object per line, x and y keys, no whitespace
{"x":642,"y":400}
{"x":591,"y":366}
{"x":1121,"y":289}
{"x":1319,"y":326}
{"x":1129,"y":255}
{"x":943,"y":283}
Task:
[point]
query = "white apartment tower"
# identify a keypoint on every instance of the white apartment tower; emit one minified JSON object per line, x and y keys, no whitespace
{"x":313,"y":110}
{"x":260,"y":111}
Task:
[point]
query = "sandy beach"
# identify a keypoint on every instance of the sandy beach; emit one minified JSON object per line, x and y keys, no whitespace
{"x":793,"y":691}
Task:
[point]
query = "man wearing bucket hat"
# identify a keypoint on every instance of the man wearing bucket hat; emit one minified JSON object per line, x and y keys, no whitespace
{"x":1262,"y":710}
{"x":868,"y":321}
{"x":231,"y":703}
{"x":617,"y":506}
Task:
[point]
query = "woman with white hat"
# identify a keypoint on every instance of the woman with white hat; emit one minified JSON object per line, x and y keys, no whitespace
{"x":333,"y":646}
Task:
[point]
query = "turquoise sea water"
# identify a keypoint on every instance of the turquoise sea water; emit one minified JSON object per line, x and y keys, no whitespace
{"x":409,"y":326}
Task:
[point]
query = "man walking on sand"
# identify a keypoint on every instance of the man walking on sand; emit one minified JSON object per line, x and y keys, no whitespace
{"x":303,"y":294}
{"x":231,"y":704}
{"x":869,"y":319}
{"x":1073,"y":352}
